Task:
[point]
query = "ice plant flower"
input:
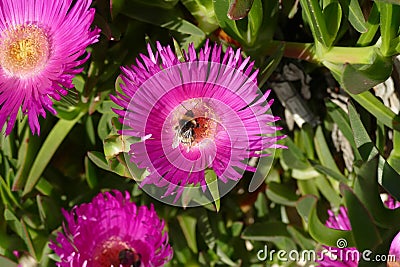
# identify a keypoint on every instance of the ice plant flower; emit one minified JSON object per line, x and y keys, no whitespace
{"x":201,"y":113}
{"x":395,"y":251}
{"x":42,"y":46}
{"x":112,"y":231}
{"x":344,"y":256}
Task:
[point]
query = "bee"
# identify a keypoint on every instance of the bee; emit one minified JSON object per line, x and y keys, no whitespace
{"x":184,"y":132}
{"x":129,"y":258}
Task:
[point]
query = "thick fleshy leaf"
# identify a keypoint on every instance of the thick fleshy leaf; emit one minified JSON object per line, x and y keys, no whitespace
{"x":188,"y":226}
{"x":281,"y":194}
{"x":4,"y":262}
{"x":239,"y":9}
{"x":212,"y":185}
{"x":46,"y":152}
{"x":363,"y":142}
{"x":357,"y":79}
{"x":333,"y":14}
{"x":203,"y":11}
{"x":372,"y":25}
{"x":229,"y":26}
{"x":366,"y":187}
{"x":387,"y":176}
{"x":306,"y":207}
{"x":169,"y":19}
{"x":316,"y":21}
{"x":378,"y":110}
{"x":389,"y":26}
{"x":363,"y":228}
{"x":354,"y":14}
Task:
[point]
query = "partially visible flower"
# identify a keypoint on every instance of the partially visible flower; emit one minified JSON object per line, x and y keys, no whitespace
{"x":42,"y":46}
{"x":342,"y":256}
{"x":395,"y":251}
{"x":204,"y":112}
{"x":112,"y":231}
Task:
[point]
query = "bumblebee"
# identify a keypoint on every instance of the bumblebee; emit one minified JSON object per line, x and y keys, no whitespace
{"x":184,"y":131}
{"x":129,"y":258}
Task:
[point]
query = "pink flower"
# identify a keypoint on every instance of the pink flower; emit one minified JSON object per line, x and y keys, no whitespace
{"x":203,"y":112}
{"x":42,"y":45}
{"x":349,"y":257}
{"x":112,"y":231}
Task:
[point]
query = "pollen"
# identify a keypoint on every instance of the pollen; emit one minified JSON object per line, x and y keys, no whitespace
{"x":107,"y":254}
{"x":195,"y":122}
{"x":24,"y":51}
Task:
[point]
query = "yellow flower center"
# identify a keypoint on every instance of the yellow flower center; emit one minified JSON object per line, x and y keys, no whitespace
{"x":24,"y":51}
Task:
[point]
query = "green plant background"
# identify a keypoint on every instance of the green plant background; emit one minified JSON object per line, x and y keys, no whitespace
{"x":342,"y":48}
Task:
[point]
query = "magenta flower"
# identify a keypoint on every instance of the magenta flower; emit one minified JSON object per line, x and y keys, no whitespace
{"x":395,"y":251}
{"x":342,"y":256}
{"x":112,"y":231}
{"x":42,"y":46}
{"x":201,"y":113}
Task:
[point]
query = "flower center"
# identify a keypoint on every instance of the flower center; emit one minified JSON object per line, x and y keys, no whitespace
{"x":195,"y":122}
{"x":116,"y":253}
{"x":24,"y":50}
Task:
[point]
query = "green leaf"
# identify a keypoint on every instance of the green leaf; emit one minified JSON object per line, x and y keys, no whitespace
{"x":299,"y":237}
{"x":116,"y":6}
{"x":363,"y":228}
{"x":20,"y":229}
{"x":90,"y":172}
{"x":166,"y":4}
{"x":6,"y":189}
{"x":389,"y":25}
{"x":366,"y":188}
{"x":26,"y":155}
{"x":239,"y":9}
{"x":327,"y":191}
{"x":308,"y":187}
{"x":316,"y":21}
{"x":169,"y":19}
{"x":255,"y":19}
{"x":266,"y":231}
{"x":354,"y":14}
{"x":372,"y":25}
{"x":394,"y":157}
{"x":364,"y":144}
{"x":203,"y":11}
{"x":382,"y":113}
{"x":333,"y":14}
{"x":387,"y":176}
{"x":99,"y":159}
{"x":323,"y":152}
{"x":396,"y":2}
{"x":270,"y":64}
{"x":188,"y":226}
{"x":359,"y":78}
{"x":342,"y":120}
{"x":206,"y":229}
{"x":306,"y":207}
{"x":331,"y":173}
{"x":281,"y":194}
{"x":212,"y":185}
{"x":46,"y":152}
{"x":229,"y":26}
{"x":4,"y":262}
